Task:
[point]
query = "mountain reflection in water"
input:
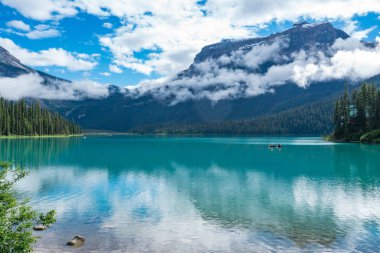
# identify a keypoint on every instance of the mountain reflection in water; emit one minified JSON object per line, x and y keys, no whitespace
{"x":203,"y":194}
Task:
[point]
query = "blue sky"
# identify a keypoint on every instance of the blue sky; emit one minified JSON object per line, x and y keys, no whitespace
{"x":123,"y":42}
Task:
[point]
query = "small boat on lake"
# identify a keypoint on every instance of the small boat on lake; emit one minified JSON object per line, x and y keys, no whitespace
{"x":278,"y":146}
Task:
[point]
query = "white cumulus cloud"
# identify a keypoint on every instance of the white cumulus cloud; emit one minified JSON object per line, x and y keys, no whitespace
{"x":31,"y":86}
{"x":115,"y":69}
{"x":107,"y":25}
{"x":43,"y":9}
{"x":238,"y":11}
{"x":105,"y":73}
{"x":243,"y":12}
{"x":18,"y":24}
{"x":37,"y":32}
{"x":49,"y":57}
{"x":363,"y":34}
{"x":42,"y":31}
{"x":170,"y":33}
{"x":170,"y":42}
{"x":216,"y":80}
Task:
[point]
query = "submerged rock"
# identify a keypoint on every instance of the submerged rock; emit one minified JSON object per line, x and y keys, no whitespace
{"x":39,"y":227}
{"x":77,"y":241}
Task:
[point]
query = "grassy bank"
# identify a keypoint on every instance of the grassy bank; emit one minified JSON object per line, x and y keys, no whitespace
{"x":372,"y":137}
{"x":39,"y":136}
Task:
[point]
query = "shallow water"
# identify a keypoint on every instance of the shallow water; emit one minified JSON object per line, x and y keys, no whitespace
{"x":157,"y":194}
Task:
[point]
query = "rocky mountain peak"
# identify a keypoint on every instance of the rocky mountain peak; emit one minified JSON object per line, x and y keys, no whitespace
{"x":7,"y":58}
{"x":300,"y":36}
{"x":10,"y":66}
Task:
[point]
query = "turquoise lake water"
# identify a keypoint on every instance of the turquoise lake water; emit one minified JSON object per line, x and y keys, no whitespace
{"x":166,"y":194}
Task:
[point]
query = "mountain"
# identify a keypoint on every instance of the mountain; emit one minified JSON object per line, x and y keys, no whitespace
{"x":121,"y":113}
{"x":283,"y":107}
{"x":10,"y":66}
{"x":302,"y":36}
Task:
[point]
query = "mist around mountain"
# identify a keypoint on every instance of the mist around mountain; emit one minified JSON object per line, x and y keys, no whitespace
{"x":281,"y":84}
{"x":20,"y":81}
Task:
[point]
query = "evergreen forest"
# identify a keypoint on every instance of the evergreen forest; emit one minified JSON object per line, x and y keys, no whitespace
{"x":31,"y":119}
{"x":357,"y":116}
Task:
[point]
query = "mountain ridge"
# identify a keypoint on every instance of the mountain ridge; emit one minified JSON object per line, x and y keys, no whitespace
{"x":122,"y":111}
{"x":10,"y":66}
{"x":300,"y":35}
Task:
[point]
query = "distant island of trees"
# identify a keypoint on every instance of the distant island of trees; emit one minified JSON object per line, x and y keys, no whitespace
{"x":357,"y":117}
{"x":22,"y":119}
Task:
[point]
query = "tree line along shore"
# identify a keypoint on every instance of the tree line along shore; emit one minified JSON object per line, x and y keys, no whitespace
{"x":23,"y":119}
{"x":357,"y":116}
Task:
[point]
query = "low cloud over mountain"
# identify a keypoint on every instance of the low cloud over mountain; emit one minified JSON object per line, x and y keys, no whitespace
{"x":33,"y":86}
{"x":233,"y":69}
{"x":20,"y":81}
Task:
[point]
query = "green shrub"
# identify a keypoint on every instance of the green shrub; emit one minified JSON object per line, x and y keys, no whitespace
{"x":371,"y":137}
{"x":355,"y":137}
{"x":17,"y":218}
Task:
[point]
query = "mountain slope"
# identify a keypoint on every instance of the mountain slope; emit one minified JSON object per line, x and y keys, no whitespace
{"x":128,"y":110}
{"x":302,"y":36}
{"x":302,"y":120}
{"x":10,"y":66}
{"x":123,"y":113}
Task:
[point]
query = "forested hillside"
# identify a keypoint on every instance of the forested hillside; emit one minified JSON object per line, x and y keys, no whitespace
{"x":278,"y":107}
{"x":202,"y":97}
{"x":18,"y":118}
{"x":357,"y":117}
{"x":309,"y":119}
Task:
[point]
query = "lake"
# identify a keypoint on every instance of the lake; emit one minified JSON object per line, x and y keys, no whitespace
{"x":169,"y":194}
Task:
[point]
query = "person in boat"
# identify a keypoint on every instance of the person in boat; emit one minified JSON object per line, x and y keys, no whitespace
{"x":274,"y":146}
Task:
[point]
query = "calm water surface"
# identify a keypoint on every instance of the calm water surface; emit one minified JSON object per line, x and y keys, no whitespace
{"x":153,"y":194}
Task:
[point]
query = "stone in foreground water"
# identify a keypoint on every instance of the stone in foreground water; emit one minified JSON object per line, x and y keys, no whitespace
{"x":39,"y":227}
{"x":77,"y":241}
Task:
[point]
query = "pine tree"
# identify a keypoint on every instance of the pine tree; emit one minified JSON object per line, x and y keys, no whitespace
{"x":377,"y":110}
{"x":358,"y":115}
{"x":19,"y":118}
{"x":345,"y":111}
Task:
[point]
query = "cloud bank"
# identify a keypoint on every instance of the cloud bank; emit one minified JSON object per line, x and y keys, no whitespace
{"x":238,"y":74}
{"x":238,"y":11}
{"x":170,"y":33}
{"x":19,"y":25}
{"x":50,"y":57}
{"x":38,"y":32}
{"x":242,"y":12}
{"x":31,"y":86}
{"x":162,"y":37}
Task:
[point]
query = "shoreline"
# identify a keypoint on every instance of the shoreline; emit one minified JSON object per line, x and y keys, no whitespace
{"x":199,"y":135}
{"x":39,"y":136}
{"x":110,"y":134}
{"x":327,"y":138}
{"x":365,"y":138}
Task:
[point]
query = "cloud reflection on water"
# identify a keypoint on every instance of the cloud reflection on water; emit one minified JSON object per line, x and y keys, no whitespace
{"x":248,"y":199}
